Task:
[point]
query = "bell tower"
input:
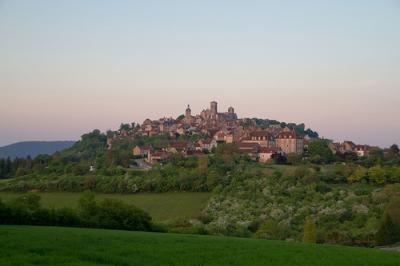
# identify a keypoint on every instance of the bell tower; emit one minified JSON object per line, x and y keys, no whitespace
{"x":188,"y":112}
{"x":214,"y":109}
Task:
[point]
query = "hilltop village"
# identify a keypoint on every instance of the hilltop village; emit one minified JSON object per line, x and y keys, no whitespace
{"x":259,"y":141}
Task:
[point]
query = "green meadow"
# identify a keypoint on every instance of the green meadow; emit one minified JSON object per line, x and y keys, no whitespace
{"x":162,"y":207}
{"x":29,"y":245}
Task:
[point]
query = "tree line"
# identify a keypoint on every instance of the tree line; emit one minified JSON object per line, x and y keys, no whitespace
{"x":107,"y":213}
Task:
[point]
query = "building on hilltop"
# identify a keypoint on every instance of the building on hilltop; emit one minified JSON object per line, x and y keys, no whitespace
{"x":141,"y":150}
{"x":213,"y":115}
{"x":157,"y":156}
{"x":250,"y":149}
{"x":188,"y":119}
{"x":262,"y":137}
{"x":349,"y":147}
{"x":266,"y":153}
{"x":362,"y":150}
{"x":290,"y":142}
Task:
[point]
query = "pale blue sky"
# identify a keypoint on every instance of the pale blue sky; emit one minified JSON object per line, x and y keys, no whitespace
{"x":67,"y":67}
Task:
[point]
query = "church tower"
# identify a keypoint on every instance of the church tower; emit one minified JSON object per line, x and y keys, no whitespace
{"x":214,"y":109}
{"x":188,"y":112}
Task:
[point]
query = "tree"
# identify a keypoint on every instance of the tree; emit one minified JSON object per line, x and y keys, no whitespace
{"x":309,"y":231}
{"x":90,"y":182}
{"x":393,"y":152}
{"x":212,"y":179}
{"x":227,"y":152}
{"x":116,"y":214}
{"x":357,"y":175}
{"x":87,"y":205}
{"x":375,"y":156}
{"x":272,"y":230}
{"x":319,"y":152}
{"x":8,"y":167}
{"x":29,"y":202}
{"x":394,"y":174}
{"x":393,"y":209}
{"x":203,"y":164}
{"x":389,"y":228}
{"x":124,"y":127}
{"x":384,"y":234}
{"x":376,"y":174}
{"x":293,"y":158}
{"x":109,"y":133}
{"x":2,"y":168}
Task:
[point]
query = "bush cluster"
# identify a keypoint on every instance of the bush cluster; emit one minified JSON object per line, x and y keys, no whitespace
{"x":108,"y":213}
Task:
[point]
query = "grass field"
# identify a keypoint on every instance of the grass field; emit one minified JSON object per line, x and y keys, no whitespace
{"x":161,"y":206}
{"x":28,"y":245}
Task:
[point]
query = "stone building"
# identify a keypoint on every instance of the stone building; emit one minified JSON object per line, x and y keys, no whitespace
{"x":212,"y":114}
{"x":266,"y":153}
{"x":141,"y":150}
{"x":189,"y":119}
{"x":262,"y":137}
{"x":290,"y":142}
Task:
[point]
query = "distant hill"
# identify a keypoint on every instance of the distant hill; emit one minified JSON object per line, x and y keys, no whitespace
{"x":33,"y":148}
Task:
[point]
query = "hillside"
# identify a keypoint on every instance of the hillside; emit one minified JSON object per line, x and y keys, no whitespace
{"x":67,"y":246}
{"x":33,"y":148}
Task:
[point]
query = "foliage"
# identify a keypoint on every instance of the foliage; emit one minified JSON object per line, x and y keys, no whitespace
{"x":163,"y":207}
{"x":272,"y":229}
{"x":309,"y":231}
{"x":358,"y":175}
{"x":299,"y":128}
{"x":108,"y":213}
{"x":389,"y":228}
{"x":293,"y":158}
{"x":288,"y":195}
{"x":376,"y":174}
{"x":319,"y":152}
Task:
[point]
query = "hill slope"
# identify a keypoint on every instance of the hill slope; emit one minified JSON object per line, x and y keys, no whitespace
{"x":33,"y":148}
{"x":72,"y":246}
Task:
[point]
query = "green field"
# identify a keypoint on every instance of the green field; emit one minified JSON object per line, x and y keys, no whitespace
{"x":28,"y":245}
{"x":161,"y":206}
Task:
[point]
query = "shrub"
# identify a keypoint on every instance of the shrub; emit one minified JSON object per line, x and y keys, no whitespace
{"x":309,"y":231}
{"x":108,"y":213}
{"x":272,"y":230}
{"x":336,"y":237}
{"x":376,"y":174}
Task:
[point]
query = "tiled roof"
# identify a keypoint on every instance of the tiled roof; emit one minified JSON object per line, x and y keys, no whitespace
{"x":259,"y":134}
{"x":362,"y":147}
{"x":179,"y":144}
{"x":268,"y":150}
{"x":287,"y":135}
{"x":159,"y":153}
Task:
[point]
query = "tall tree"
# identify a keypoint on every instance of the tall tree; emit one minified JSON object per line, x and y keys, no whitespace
{"x":309,"y":231}
{"x":2,"y":168}
{"x":319,"y":152}
{"x":389,"y":228}
{"x":393,"y":151}
{"x":376,"y":174}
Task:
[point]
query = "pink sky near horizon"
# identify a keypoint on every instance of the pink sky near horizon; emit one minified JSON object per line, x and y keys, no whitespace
{"x":66,"y":117}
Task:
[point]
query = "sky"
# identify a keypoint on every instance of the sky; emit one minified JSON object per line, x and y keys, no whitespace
{"x":68,"y":67}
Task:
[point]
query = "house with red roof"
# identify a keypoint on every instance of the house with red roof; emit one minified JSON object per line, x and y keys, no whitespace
{"x":157,"y":156}
{"x":266,"y":153}
{"x":290,"y":142}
